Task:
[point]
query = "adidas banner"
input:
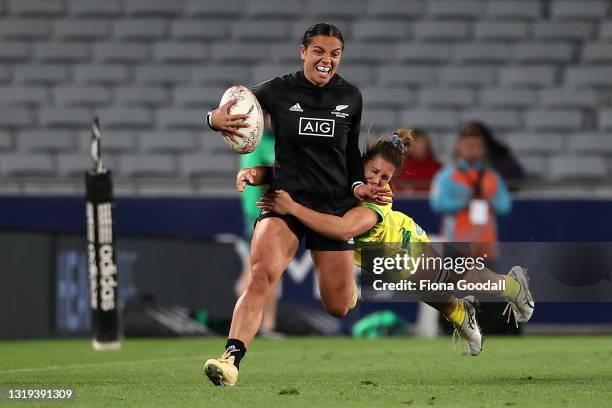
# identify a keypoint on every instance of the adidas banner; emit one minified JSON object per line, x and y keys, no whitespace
{"x":102,"y":265}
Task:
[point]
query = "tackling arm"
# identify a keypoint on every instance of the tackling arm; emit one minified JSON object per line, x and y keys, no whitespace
{"x":355,"y":222}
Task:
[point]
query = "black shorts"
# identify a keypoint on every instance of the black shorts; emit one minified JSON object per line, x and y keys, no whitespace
{"x":313,"y":240}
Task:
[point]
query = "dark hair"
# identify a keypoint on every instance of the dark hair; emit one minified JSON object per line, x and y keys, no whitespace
{"x":321,"y":29}
{"x":473,"y":129}
{"x":479,"y":129}
{"x":499,"y":155}
{"x":392,"y":149}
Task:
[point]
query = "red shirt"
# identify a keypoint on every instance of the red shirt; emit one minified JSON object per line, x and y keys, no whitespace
{"x":416,"y":175}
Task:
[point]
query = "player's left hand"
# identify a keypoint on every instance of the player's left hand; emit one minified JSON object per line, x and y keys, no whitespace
{"x":279,"y":202}
{"x":245,"y":177}
{"x":374,"y":194}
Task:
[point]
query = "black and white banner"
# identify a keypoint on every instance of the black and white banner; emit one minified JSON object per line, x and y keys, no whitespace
{"x":102,"y":265}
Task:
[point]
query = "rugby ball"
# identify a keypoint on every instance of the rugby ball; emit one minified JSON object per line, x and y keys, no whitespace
{"x":246,"y":103}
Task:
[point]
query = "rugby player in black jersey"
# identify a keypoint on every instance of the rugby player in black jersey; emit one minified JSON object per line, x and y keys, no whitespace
{"x":315,"y":116}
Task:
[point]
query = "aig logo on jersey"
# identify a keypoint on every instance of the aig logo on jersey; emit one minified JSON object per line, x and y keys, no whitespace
{"x":317,"y":127}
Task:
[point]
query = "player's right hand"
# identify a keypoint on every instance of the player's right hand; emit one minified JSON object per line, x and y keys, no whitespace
{"x":245,"y":177}
{"x":228,"y":124}
{"x":279,"y":202}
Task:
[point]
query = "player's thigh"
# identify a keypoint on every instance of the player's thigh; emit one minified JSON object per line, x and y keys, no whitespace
{"x":272,"y":248}
{"x":334,"y":272}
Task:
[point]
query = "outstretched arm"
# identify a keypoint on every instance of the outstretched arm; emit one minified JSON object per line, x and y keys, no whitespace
{"x":355,"y":222}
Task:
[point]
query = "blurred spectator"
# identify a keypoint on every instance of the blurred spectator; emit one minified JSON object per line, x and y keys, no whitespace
{"x":418,"y":167}
{"x":469,"y":195}
{"x":498,"y":154}
{"x":263,"y":155}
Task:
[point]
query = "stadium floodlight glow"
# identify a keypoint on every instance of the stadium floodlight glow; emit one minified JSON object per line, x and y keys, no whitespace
{"x":101,"y":254}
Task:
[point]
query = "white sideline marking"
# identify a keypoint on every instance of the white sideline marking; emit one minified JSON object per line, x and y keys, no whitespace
{"x":91,"y":365}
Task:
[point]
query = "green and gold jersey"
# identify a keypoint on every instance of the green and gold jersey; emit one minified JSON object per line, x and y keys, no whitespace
{"x":393,"y":227}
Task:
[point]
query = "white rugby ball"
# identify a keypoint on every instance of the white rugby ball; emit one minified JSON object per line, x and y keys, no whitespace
{"x":246,"y":104}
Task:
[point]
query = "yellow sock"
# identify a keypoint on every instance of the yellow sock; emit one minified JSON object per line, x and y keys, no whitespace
{"x":512,"y":288}
{"x":457,"y":316}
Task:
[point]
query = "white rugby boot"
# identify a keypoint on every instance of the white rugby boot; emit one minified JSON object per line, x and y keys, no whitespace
{"x":523,"y":305}
{"x":468,"y":332}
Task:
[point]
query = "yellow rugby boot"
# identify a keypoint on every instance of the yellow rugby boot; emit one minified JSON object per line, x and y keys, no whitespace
{"x":222,"y":371}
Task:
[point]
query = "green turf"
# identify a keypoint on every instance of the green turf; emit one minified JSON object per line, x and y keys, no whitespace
{"x":320,"y":372}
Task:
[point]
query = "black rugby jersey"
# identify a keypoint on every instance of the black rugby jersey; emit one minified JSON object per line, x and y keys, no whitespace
{"x":316,"y":132}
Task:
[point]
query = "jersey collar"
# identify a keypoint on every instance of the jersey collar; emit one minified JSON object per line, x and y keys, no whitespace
{"x":302,"y":80}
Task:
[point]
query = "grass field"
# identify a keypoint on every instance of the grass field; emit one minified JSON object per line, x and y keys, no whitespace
{"x":319,"y":372}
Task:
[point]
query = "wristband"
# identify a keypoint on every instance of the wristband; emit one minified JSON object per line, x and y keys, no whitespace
{"x":355,"y":185}
{"x":209,"y":120}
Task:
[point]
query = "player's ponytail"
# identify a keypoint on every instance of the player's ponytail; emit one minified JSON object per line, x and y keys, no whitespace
{"x":392,"y":148}
{"x":406,"y":137}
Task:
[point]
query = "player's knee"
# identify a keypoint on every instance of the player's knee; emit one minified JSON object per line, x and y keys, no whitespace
{"x":260,"y":279}
{"x":259,"y":282}
{"x":337,"y":309}
{"x":337,"y":301}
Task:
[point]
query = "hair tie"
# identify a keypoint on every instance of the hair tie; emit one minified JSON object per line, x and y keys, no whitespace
{"x":396,"y":141}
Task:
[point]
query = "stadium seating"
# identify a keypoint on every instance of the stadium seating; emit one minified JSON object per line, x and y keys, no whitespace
{"x":539,"y":72}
